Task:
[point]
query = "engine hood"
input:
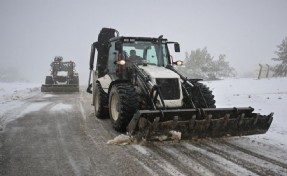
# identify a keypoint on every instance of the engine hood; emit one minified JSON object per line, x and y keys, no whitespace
{"x":158,"y":72}
{"x":171,"y":91}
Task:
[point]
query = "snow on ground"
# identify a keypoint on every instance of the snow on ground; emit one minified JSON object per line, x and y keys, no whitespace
{"x":48,"y":96}
{"x":16,"y":91}
{"x":32,"y":108}
{"x":11,"y":95}
{"x":61,"y":107}
{"x":264,"y":95}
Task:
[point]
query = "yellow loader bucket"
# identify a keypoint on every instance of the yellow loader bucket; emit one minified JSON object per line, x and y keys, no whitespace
{"x":198,"y":123}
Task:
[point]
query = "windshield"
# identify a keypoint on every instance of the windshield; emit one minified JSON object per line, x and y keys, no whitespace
{"x":146,"y":50}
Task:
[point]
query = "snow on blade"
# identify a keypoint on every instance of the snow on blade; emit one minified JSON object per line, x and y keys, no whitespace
{"x":121,"y":140}
{"x":162,"y":137}
{"x":175,"y":135}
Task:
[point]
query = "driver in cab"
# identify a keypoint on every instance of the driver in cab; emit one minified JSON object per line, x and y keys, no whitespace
{"x":135,"y":58}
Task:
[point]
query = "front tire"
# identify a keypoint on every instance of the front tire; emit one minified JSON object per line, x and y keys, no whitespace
{"x":123,"y":104}
{"x":200,"y":95}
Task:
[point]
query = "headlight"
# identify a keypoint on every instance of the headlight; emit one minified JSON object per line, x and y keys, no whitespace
{"x":121,"y":62}
{"x":144,"y":62}
{"x":178,"y":63}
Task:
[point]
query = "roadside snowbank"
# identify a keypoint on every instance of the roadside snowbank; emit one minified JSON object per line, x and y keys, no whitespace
{"x":11,"y":95}
{"x":16,"y":91}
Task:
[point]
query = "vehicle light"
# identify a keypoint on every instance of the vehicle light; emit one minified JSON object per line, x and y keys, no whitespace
{"x":178,"y":63}
{"x":121,"y":62}
{"x":144,"y":62}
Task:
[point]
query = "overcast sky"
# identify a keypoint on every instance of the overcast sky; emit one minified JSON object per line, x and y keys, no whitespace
{"x":32,"y":32}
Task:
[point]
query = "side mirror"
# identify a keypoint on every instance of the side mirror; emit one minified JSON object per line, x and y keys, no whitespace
{"x":176,"y":47}
{"x":118,"y":46}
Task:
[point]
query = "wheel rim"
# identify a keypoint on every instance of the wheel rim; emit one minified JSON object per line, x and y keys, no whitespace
{"x":114,"y":107}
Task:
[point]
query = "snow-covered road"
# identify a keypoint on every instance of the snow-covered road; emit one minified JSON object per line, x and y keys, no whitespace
{"x":58,"y":134}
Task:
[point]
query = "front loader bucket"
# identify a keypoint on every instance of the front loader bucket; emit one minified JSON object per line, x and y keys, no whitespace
{"x":60,"y":88}
{"x":198,"y":123}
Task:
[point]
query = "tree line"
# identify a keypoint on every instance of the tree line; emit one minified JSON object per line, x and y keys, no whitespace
{"x":281,"y":68}
{"x":200,"y":64}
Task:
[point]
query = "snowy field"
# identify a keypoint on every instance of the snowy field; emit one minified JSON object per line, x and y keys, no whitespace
{"x":264,"y":95}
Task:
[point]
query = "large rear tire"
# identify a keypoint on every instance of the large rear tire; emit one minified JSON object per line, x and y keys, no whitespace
{"x":100,"y":102}
{"x":201,"y":96}
{"x":123,"y":104}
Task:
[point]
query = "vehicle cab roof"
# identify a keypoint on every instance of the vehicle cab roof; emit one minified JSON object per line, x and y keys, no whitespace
{"x":131,"y":39}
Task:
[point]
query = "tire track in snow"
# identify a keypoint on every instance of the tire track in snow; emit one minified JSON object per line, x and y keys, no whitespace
{"x":213,"y":163}
{"x":255,"y":154}
{"x":261,"y":148}
{"x":251,"y":163}
{"x":147,"y":168}
{"x":91,"y":122}
{"x":188,"y":161}
{"x":77,"y":161}
{"x":71,"y":165}
{"x":80,"y":102}
{"x":155,"y":162}
{"x":221,"y":165}
{"x":189,"y":164}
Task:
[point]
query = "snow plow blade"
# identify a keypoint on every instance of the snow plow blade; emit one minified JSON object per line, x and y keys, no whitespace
{"x":60,"y":88}
{"x":198,"y":123}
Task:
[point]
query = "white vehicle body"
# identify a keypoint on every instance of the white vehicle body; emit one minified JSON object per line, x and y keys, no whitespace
{"x":154,"y":73}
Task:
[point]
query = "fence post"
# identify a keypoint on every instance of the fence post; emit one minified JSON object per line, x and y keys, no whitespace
{"x":268,"y":68}
{"x":259,"y":75}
